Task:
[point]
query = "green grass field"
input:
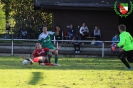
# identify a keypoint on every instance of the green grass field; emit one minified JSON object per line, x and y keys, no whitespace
{"x":73,"y":73}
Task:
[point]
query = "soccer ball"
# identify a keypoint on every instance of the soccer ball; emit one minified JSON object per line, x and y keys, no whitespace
{"x":25,"y":62}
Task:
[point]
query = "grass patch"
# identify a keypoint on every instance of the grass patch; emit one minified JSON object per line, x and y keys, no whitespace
{"x":73,"y":73}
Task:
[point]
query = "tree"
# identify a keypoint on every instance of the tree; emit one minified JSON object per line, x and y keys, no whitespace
{"x":24,"y":15}
{"x":2,"y":18}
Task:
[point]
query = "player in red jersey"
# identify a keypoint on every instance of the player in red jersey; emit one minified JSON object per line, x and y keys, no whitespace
{"x":43,"y":61}
{"x":40,"y":55}
{"x":39,"y":51}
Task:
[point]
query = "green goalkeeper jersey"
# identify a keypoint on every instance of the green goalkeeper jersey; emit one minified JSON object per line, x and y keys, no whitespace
{"x":126,"y":41}
{"x":46,"y":39}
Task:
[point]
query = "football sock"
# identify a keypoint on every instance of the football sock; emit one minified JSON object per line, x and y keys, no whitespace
{"x":49,"y":57}
{"x":56,"y":58}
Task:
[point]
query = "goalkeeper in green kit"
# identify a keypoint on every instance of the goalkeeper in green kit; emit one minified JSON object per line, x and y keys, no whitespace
{"x":45,"y":40}
{"x":126,"y":41}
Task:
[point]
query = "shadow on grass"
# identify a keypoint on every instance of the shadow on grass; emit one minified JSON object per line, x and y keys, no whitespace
{"x":36,"y":78}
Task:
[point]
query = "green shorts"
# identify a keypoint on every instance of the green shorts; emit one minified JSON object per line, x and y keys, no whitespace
{"x":49,"y":46}
{"x":48,"y":53}
{"x":52,"y":48}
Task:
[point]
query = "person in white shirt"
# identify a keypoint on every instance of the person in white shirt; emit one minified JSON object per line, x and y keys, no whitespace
{"x":84,"y":31}
{"x":97,"y":33}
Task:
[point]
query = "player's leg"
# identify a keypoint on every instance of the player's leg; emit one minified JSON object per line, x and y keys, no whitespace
{"x":122,"y":56}
{"x":56,"y":56}
{"x":130,"y":59}
{"x":49,"y":56}
{"x":44,"y":61}
{"x":130,"y":56}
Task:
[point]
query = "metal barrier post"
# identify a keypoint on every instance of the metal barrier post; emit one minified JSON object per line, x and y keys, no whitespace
{"x":12,"y":48}
{"x":103,"y":49}
{"x":57,"y":46}
{"x":54,"y":39}
{"x":62,"y":37}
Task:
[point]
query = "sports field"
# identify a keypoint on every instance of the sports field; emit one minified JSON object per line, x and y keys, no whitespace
{"x":73,"y":73}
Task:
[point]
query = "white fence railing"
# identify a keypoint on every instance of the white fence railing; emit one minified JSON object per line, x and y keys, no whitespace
{"x":55,"y":41}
